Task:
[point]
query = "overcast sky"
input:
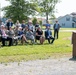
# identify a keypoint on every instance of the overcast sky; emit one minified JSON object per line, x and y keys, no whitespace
{"x":63,"y":8}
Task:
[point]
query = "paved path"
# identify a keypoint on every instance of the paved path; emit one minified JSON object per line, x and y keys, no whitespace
{"x":59,"y":66}
{"x":67,"y":30}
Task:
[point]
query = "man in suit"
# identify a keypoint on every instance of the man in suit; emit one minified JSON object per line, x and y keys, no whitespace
{"x":48,"y":35}
{"x":56,"y":29}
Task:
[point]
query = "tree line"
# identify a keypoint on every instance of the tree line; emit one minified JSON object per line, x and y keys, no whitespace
{"x":22,"y":9}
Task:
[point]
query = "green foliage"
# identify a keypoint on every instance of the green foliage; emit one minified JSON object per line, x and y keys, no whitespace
{"x":34,"y":21}
{"x":40,"y":23}
{"x":19,"y":10}
{"x":47,"y":7}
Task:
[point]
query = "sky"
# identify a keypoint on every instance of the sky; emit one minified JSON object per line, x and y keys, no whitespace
{"x":62,"y":8}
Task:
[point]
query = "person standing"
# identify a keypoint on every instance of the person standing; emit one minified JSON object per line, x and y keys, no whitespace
{"x":56,"y":29}
{"x":47,"y":24}
{"x":9,"y":24}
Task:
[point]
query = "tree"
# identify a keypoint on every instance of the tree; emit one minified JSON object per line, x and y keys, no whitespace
{"x":34,"y":21}
{"x":47,"y":7}
{"x":40,"y":23}
{"x":19,"y":10}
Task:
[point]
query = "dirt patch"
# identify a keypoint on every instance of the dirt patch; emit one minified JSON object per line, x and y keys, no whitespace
{"x":67,"y":38}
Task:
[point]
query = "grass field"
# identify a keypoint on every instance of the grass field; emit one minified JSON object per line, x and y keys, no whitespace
{"x":61,"y":47}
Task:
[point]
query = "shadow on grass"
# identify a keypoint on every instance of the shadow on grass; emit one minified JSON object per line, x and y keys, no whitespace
{"x":26,"y":44}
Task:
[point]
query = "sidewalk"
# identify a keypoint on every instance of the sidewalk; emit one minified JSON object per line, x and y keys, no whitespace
{"x":67,"y":30}
{"x":59,"y":66}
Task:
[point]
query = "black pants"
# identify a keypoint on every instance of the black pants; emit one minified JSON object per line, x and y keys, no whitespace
{"x":50,"y":39}
{"x":56,"y":31}
{"x":7,"y":39}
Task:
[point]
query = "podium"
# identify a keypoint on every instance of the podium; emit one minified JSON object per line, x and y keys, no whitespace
{"x":74,"y":44}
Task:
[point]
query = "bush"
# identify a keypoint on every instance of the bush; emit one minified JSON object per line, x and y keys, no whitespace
{"x":34,"y":21}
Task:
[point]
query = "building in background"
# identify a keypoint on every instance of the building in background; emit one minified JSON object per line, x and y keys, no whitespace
{"x":67,"y":21}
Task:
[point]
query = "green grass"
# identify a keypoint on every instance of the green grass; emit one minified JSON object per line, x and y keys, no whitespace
{"x":61,"y":47}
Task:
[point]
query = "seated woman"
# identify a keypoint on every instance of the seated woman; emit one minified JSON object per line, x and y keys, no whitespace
{"x":29,"y":35}
{"x":39,"y":35}
{"x":5,"y":36}
{"x":19,"y":33}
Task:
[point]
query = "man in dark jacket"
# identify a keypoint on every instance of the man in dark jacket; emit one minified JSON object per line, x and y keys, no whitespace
{"x":9,"y":24}
{"x":48,"y":35}
{"x":56,"y":29}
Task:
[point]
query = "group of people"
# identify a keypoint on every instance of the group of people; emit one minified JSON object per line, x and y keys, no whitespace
{"x":24,"y":32}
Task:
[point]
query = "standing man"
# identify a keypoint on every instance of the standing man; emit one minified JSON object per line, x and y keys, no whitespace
{"x":56,"y":29}
{"x":9,"y":24}
{"x":47,"y":25}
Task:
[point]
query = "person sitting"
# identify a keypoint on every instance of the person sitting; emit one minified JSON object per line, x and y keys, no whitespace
{"x":18,"y":23}
{"x":12,"y":35}
{"x":29,"y":34}
{"x":23,"y":25}
{"x":39,"y":35}
{"x":48,"y":35}
{"x":5,"y":37}
{"x":36,"y":26}
{"x":31,"y":26}
{"x":21,"y":35}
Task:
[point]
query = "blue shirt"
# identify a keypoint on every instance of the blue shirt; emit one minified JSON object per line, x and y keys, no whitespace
{"x":23,"y":25}
{"x":20,"y":33}
{"x":56,"y":26}
{"x":47,"y":25}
